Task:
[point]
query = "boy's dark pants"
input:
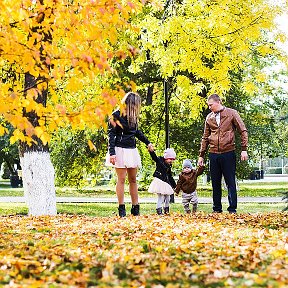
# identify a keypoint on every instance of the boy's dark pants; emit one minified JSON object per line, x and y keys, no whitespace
{"x":223,"y":164}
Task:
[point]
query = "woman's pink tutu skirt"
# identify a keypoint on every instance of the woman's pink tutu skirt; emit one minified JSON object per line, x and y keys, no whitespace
{"x":125,"y":158}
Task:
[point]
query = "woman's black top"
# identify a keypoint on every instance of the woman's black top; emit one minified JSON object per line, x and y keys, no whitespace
{"x":121,"y":135}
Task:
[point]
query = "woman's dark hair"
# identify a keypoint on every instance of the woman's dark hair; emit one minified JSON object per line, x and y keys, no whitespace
{"x":132,"y":103}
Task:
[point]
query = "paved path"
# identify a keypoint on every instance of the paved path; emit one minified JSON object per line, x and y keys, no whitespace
{"x":202,"y":200}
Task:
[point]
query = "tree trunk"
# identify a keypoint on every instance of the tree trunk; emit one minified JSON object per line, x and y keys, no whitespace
{"x":37,"y":168}
{"x":38,"y":183}
{"x":149,"y":95}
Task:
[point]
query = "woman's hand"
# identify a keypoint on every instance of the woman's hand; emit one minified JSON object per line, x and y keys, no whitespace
{"x":150,"y":147}
{"x":113,"y":159}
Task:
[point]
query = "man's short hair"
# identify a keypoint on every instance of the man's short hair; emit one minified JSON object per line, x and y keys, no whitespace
{"x":214,"y":97}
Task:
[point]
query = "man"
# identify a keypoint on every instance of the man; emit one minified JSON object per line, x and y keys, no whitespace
{"x":219,"y":134}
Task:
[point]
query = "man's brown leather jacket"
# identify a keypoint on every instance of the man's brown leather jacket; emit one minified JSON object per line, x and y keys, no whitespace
{"x":221,"y":138}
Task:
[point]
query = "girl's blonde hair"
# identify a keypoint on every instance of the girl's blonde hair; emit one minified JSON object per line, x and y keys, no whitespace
{"x":132,"y":103}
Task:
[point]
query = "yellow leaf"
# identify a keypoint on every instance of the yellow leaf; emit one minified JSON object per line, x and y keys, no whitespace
{"x":38,"y":131}
{"x":162,"y":268}
{"x":45,"y":138}
{"x":3,"y":130}
{"x":17,"y":135}
{"x":91,"y":145}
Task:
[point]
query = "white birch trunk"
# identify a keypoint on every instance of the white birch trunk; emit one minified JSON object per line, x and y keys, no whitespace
{"x":38,"y":183}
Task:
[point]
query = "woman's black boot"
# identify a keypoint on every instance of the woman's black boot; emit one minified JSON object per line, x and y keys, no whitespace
{"x":122,"y":210}
{"x":135,"y":210}
{"x":166,"y":210}
{"x":159,"y":211}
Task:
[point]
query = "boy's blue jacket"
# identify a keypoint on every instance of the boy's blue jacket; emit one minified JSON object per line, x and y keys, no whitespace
{"x":163,"y":170}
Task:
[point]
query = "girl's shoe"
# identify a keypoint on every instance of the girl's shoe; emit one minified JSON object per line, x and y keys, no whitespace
{"x":122,"y":210}
{"x":159,"y":211}
{"x":135,"y":210}
{"x":166,"y":210}
{"x":194,"y":208}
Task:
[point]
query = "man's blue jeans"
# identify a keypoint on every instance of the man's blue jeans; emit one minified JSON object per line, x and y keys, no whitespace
{"x":223,"y":165}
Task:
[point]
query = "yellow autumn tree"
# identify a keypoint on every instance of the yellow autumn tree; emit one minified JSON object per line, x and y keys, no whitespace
{"x":198,"y":43}
{"x":51,"y":53}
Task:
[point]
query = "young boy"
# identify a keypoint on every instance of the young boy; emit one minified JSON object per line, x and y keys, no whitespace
{"x":187,"y":182}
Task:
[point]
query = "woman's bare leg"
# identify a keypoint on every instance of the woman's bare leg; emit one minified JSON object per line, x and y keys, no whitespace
{"x":121,"y":175}
{"x":133,"y":189}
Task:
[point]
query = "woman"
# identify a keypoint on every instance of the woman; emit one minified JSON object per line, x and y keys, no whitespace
{"x":123,"y":154}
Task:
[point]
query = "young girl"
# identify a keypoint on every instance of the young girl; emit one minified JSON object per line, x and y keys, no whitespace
{"x":123,"y":153}
{"x":163,"y":182}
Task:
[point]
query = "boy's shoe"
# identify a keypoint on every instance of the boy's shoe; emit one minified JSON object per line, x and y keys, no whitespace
{"x":122,"y":210}
{"x":159,"y":211}
{"x":166,"y":210}
{"x":135,"y":210}
{"x":194,"y":208}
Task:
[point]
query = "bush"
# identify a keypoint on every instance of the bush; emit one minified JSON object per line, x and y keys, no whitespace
{"x":5,"y":173}
{"x":274,"y":171}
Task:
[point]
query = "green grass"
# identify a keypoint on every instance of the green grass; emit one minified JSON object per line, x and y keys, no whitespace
{"x":245,"y":191}
{"x":262,"y":189}
{"x":251,"y":189}
{"x":110,"y":209}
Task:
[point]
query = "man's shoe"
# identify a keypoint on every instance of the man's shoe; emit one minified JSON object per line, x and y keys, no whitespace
{"x":135,"y":210}
{"x":159,"y":211}
{"x":122,"y":210}
{"x":166,"y":210}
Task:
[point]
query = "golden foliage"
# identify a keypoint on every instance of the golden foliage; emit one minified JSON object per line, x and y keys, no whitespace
{"x":205,"y":41}
{"x":70,"y":44}
{"x":198,"y":250}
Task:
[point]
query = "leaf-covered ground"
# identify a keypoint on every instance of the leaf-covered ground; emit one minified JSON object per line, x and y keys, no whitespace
{"x":201,"y":250}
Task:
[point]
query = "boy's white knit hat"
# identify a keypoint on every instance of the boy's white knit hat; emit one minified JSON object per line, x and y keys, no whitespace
{"x":187,"y":163}
{"x":169,"y":153}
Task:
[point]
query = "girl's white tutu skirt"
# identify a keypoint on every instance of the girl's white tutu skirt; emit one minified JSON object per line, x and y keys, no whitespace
{"x":125,"y":158}
{"x":160,"y":187}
